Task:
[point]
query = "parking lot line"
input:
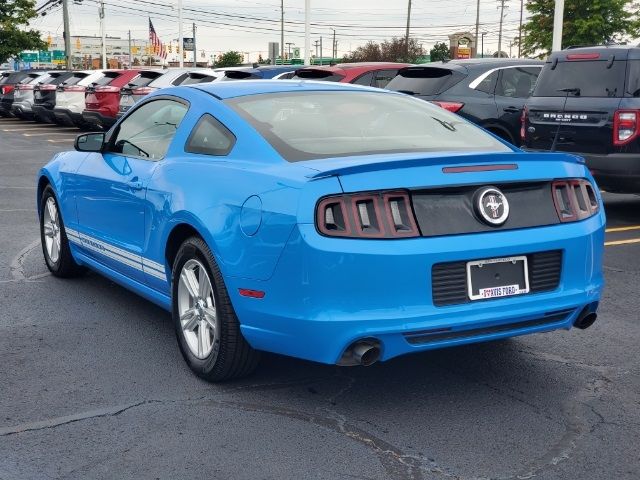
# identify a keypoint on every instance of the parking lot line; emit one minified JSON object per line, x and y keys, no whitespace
{"x":49,"y":133}
{"x":60,"y":141}
{"x":41,"y":128}
{"x":622,"y":242}
{"x":622,"y":229}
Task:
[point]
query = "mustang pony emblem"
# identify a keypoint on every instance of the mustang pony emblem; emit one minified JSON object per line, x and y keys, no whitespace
{"x":492,"y":206}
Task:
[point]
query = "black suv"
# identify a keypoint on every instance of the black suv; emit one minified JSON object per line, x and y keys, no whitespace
{"x":490,"y":92}
{"x":587,"y":101}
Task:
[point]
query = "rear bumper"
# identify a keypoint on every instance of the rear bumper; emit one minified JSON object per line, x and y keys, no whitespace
{"x":43,"y":113}
{"x":614,"y":172}
{"x":66,"y":116}
{"x":5,"y":107}
{"x":95,"y":117}
{"x":22,"y":109}
{"x":327,"y":293}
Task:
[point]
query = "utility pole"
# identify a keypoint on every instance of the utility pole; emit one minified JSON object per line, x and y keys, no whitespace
{"x":501,"y":7}
{"x":510,"y":47}
{"x":67,"y":33}
{"x":282,"y":32}
{"x":558,"y":16}
{"x":289,"y":49}
{"x":316,"y":44}
{"x":307,"y":33}
{"x":320,"y":50}
{"x":477,"y":26}
{"x":482,"y":46}
{"x":334,"y":49}
{"x":130,"y":62}
{"x":520,"y":30}
{"x":195,"y":56}
{"x":406,"y":40}
{"x":180,"y":41}
{"x":103,"y":35}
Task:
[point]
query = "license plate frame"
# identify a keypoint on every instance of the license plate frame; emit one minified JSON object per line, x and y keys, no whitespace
{"x":498,"y":266}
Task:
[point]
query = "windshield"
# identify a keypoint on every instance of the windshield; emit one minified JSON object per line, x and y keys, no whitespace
{"x":313,"y":125}
{"x":592,"y":78}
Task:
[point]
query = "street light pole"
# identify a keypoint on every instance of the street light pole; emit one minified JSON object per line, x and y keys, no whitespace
{"x":180,"y":36}
{"x":195,"y":57}
{"x":502,"y":2}
{"x":520,"y":30}
{"x":282,"y":32}
{"x":67,"y":33}
{"x":482,"y":46}
{"x":103,"y":35}
{"x":558,"y":16}
{"x":307,"y":33}
{"x":406,"y":40}
{"x":477,"y":26}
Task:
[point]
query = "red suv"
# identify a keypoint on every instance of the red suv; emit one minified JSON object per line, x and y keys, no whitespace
{"x":373,"y":74}
{"x":102,"y":98}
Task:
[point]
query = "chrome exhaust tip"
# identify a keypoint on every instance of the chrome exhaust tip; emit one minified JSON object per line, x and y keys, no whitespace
{"x":362,"y":352}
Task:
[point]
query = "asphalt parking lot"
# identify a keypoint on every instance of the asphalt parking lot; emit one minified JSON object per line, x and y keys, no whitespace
{"x":93,"y":386}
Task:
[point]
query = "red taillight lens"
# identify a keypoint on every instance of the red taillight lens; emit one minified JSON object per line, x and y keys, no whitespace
{"x":74,"y":88}
{"x":367,"y":215}
{"x":24,"y":87}
{"x":523,"y":121}
{"x":142,"y":91}
{"x":6,"y":89}
{"x":48,"y":87}
{"x":626,"y":126}
{"x":107,"y":89}
{"x":583,"y":56}
{"x":450,"y":106}
{"x":574,"y":199}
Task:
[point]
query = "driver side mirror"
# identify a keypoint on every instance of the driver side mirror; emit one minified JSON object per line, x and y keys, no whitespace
{"x":89,"y":142}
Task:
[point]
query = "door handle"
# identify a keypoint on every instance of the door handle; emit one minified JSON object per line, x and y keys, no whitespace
{"x":512,"y":110}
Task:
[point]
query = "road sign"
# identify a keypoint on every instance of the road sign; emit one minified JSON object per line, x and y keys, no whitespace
{"x":29,"y":56}
{"x":45,"y":56}
{"x":296,"y":52}
{"x":58,"y":55}
{"x":188,"y":44}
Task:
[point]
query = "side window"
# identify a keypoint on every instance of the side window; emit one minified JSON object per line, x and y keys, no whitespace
{"x":383,"y":77}
{"x":364,"y":79}
{"x":517,"y":82}
{"x":148,"y":131}
{"x":488,"y":84}
{"x":210,"y":137}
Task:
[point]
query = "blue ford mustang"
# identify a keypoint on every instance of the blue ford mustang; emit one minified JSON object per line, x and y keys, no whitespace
{"x":329,"y":222}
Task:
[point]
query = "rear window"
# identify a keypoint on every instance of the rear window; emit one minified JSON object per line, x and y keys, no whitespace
{"x":633,"y":83}
{"x":239,"y":75}
{"x":313,"y":125}
{"x":598,"y":78}
{"x":194,"y":78}
{"x":424,"y":81}
{"x":75,"y":78}
{"x":144,"y":79}
{"x":107,"y":79}
{"x":56,"y":78}
{"x":314,"y":74}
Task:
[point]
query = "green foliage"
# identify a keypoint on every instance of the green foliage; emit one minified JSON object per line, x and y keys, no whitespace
{"x":229,"y":59}
{"x":586,"y":22}
{"x":440,"y":52}
{"x":14,"y":38}
{"x":393,"y":50}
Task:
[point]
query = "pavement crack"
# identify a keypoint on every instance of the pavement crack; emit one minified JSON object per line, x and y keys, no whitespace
{"x":17,"y":264}
{"x":76,"y":417}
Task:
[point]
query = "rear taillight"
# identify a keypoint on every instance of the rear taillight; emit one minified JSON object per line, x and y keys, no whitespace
{"x":385,"y":214}
{"x":523,"y":121}
{"x":74,"y":88}
{"x":142,"y":90}
{"x":47,"y":88}
{"x":574,"y":199}
{"x":6,"y":89}
{"x":450,"y":106}
{"x":107,"y":89}
{"x":24,"y":87}
{"x":626,"y":126}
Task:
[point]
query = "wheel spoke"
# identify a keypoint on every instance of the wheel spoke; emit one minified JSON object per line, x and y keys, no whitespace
{"x":201,"y":339}
{"x":205,"y":286}
{"x":210,"y":316}
{"x":48,"y":229}
{"x":55,"y":248}
{"x":189,"y":320}
{"x":51,"y":206}
{"x":191,"y":282}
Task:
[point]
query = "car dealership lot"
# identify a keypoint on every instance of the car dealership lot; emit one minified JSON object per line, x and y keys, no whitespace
{"x":93,"y":385}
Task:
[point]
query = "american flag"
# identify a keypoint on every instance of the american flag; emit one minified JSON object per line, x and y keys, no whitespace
{"x":157,"y":47}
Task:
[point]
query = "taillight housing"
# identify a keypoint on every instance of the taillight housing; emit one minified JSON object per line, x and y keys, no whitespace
{"x":574,"y":199}
{"x":47,"y":88}
{"x":107,"y":89}
{"x":450,"y":106}
{"x":24,"y":87}
{"x":523,"y":122}
{"x":626,"y":126}
{"x":142,"y":90}
{"x":385,"y":214}
{"x":74,"y":88}
{"x":6,"y":89}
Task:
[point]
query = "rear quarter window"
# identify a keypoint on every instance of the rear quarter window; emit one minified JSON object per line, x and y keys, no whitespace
{"x":210,"y":137}
{"x":595,"y":78}
{"x":425,"y":81}
{"x":633,"y":83}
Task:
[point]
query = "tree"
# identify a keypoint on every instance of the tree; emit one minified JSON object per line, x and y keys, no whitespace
{"x":229,"y":59}
{"x":15,"y":14}
{"x":393,"y":50}
{"x":586,"y":22}
{"x":440,"y":52}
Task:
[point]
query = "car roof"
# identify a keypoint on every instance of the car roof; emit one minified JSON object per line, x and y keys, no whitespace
{"x":364,"y":66}
{"x":225,"y":90}
{"x":620,"y":52}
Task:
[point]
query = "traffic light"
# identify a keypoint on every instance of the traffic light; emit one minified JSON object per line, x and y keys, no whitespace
{"x":169,"y":48}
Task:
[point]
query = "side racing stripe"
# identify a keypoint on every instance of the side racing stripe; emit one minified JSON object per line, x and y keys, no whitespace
{"x":132,"y":260}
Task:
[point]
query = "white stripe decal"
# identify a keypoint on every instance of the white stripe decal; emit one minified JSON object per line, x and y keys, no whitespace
{"x":132,"y":260}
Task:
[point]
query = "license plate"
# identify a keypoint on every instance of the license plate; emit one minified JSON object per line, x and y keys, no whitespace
{"x":497,"y":277}
{"x":126,"y":101}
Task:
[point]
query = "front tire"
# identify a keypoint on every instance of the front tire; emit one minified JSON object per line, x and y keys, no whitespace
{"x":53,"y":237}
{"x":207,"y":328}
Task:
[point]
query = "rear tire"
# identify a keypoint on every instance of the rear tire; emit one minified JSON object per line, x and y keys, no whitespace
{"x":53,"y":237}
{"x":207,"y":328}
